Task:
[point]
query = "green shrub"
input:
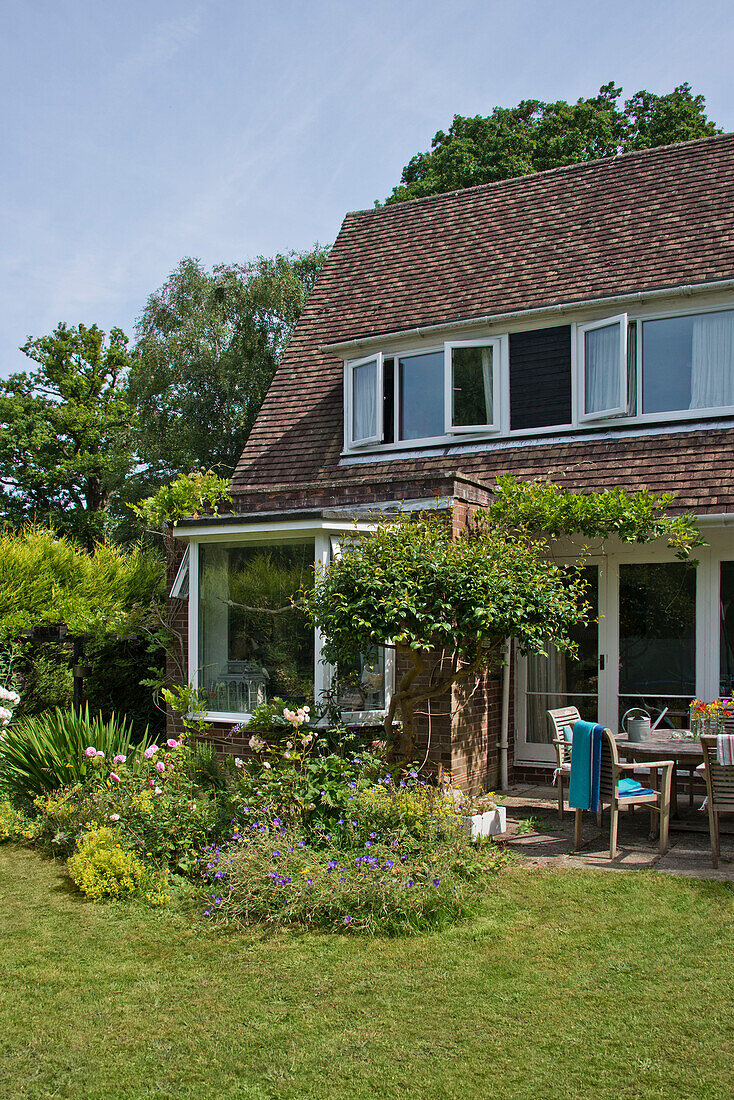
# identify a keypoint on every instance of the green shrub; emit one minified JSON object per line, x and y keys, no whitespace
{"x":47,"y":752}
{"x":271,"y":875}
{"x":16,"y":825}
{"x":102,"y":867}
{"x":163,"y":814}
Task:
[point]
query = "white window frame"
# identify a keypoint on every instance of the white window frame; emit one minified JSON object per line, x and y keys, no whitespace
{"x":621,"y":408}
{"x":325,"y":534}
{"x":492,"y":426}
{"x":182,"y":584}
{"x":350,"y":367}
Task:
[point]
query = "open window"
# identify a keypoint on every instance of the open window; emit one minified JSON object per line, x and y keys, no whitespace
{"x":471,"y":373}
{"x":180,"y":587}
{"x":364,"y":401}
{"x":602,"y":347}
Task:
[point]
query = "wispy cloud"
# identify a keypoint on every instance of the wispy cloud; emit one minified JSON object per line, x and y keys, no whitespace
{"x":158,"y":47}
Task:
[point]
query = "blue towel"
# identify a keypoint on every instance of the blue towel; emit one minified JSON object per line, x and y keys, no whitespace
{"x":583,"y":788}
{"x":628,"y":787}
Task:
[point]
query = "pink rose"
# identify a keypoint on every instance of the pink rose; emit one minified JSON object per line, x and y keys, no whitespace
{"x":114,"y":777}
{"x":90,"y":751}
{"x":119,"y":759}
{"x":172,"y":743}
{"x":150,"y":752}
{"x":99,"y":754}
{"x":160,"y":767}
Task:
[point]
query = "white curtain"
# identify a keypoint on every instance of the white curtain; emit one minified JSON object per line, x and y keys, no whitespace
{"x":487,"y":376}
{"x":712,"y":361}
{"x":602,"y":361}
{"x":546,"y":690}
{"x":364,"y":401}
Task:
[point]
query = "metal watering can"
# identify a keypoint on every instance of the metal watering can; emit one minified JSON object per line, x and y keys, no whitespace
{"x":638,"y":726}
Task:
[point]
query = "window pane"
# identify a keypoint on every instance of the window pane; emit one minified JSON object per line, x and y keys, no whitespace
{"x":688,"y":362}
{"x":364,"y":411}
{"x":252,"y":644}
{"x":559,"y":680}
{"x":540,"y":378}
{"x":657,"y":632}
{"x":471,"y":379}
{"x":421,"y":396}
{"x":726,"y":633}
{"x":601,"y":368}
{"x":362,"y":682}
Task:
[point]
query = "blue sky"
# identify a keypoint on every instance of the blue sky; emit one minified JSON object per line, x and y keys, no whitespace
{"x":138,"y":133}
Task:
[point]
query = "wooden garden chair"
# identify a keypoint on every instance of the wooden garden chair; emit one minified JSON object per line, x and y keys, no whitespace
{"x":617,"y":787}
{"x":719,"y":789}
{"x":564,"y":716}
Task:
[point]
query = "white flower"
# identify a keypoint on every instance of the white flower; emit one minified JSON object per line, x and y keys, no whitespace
{"x":265,"y":764}
{"x":5,"y":715}
{"x":289,"y":744}
{"x":238,"y":762}
{"x":256,"y":744}
{"x":114,"y":817}
{"x":307,"y":739}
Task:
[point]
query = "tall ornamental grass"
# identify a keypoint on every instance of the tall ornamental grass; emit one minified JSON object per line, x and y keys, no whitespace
{"x":41,"y":754}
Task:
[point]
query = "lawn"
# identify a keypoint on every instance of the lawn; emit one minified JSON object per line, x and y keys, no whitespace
{"x":569,"y":984}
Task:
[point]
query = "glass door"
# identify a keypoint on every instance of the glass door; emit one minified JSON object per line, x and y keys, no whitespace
{"x":559,"y":680}
{"x":657,"y":639}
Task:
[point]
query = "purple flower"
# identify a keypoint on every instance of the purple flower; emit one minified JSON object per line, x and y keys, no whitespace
{"x":389,"y":863}
{"x":301,"y":843}
{"x":276,"y":853}
{"x":436,"y":881}
{"x":332,"y":864}
{"x":368,"y":843}
{"x":347,"y":920}
{"x":373,"y":834}
{"x":410,"y":882}
{"x":309,"y":882}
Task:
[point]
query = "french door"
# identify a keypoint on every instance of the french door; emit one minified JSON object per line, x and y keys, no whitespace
{"x":546,"y":683}
{"x":640,"y":648}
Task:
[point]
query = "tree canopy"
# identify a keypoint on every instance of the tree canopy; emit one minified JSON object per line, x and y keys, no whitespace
{"x":533,"y":136}
{"x":67,"y":431}
{"x":208,"y":345}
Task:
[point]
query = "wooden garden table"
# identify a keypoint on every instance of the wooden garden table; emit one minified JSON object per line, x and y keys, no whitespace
{"x":685,"y":752}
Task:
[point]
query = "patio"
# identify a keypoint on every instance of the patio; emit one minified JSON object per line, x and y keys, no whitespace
{"x":537,"y":836}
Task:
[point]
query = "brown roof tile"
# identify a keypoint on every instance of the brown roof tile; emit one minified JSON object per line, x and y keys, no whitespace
{"x":643,"y":221}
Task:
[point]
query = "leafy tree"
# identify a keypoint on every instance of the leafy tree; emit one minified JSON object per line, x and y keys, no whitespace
{"x":208,"y":345}
{"x":533,"y":136}
{"x":446,"y":604}
{"x":67,"y":432}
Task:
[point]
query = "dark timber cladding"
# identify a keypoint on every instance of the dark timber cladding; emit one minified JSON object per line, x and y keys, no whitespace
{"x":540,"y":378}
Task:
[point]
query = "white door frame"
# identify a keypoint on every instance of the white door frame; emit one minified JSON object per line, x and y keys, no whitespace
{"x":720,"y":548}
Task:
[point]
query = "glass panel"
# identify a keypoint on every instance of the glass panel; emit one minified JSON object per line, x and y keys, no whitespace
{"x":471,"y":380}
{"x":688,"y":362}
{"x":364,"y":400}
{"x":601,"y":368}
{"x":657,"y":639}
{"x":252,"y":644}
{"x":421,"y":396}
{"x":560,"y":681}
{"x":361,"y":685}
{"x":726,"y":632}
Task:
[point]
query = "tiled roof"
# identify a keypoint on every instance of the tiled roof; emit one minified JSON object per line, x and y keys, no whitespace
{"x":643,"y":221}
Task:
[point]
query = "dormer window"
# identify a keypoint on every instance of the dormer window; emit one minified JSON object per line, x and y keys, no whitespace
{"x":651,"y":368}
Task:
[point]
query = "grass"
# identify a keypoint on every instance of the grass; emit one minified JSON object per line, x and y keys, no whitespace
{"x":570,"y":984}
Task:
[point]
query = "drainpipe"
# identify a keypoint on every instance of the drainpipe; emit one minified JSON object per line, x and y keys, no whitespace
{"x":505,"y":720}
